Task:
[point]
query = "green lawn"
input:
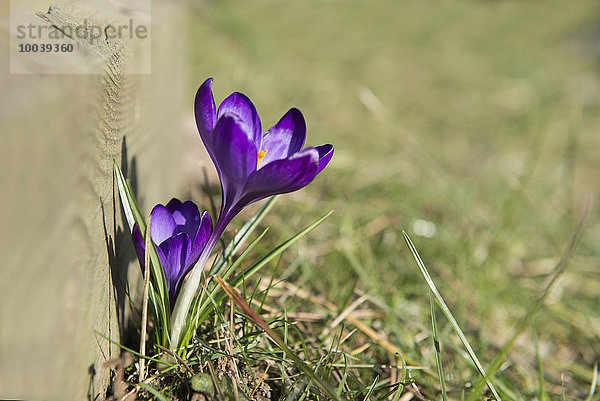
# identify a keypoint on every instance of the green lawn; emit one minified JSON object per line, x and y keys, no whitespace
{"x":473,"y":126}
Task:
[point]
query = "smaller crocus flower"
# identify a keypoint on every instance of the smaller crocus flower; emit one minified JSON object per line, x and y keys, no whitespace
{"x":253,"y":166}
{"x":180,"y":234}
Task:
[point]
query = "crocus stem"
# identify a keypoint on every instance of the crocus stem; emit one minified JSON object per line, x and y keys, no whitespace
{"x":192,"y":283}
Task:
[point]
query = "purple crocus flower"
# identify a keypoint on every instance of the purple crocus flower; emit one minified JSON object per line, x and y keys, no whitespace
{"x":253,"y":166}
{"x":180,"y":234}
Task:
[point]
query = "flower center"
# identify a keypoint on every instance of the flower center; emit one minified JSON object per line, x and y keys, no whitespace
{"x":261,"y":155}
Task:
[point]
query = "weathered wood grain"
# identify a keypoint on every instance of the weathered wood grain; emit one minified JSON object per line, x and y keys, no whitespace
{"x":64,"y":251}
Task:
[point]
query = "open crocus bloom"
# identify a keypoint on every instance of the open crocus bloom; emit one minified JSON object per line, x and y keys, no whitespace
{"x":253,"y":166}
{"x":180,"y":234}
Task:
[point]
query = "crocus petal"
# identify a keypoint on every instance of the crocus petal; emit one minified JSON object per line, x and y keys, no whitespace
{"x":325,"y":155}
{"x":282,"y":176}
{"x":162,"y":255}
{"x":175,"y":250}
{"x":186,"y":216}
{"x":162,"y":225}
{"x":234,"y":149}
{"x":202,"y":235}
{"x":173,"y":205}
{"x":167,"y":265}
{"x":205,"y":110}
{"x":138,"y":243}
{"x":240,"y":106}
{"x":285,"y":138}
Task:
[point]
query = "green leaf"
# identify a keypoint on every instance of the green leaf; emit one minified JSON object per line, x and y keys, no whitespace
{"x":123,"y":194}
{"x":131,"y":207}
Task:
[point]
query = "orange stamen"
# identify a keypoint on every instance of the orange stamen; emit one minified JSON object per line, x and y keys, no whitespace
{"x":261,"y":155}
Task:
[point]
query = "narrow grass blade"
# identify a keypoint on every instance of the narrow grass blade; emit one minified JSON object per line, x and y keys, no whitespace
{"x":285,"y":245}
{"x":241,"y":303}
{"x":180,"y":361}
{"x":436,"y":343}
{"x":448,"y":314}
{"x":256,"y":266}
{"x":125,"y":201}
{"x":371,"y":389}
{"x":160,"y":293}
{"x":238,"y":279}
{"x":593,"y":384}
{"x":340,"y":388}
{"x":133,"y":352}
{"x":526,"y":320}
{"x":400,"y":388}
{"x":133,"y":212}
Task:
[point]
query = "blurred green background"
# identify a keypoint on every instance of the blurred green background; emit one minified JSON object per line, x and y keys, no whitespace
{"x":473,"y":125}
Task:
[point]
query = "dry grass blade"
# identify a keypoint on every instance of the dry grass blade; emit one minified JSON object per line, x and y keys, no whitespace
{"x":142,"y":363}
{"x":344,"y":315}
{"x":216,"y":382}
{"x":176,"y":356}
{"x":260,"y":381}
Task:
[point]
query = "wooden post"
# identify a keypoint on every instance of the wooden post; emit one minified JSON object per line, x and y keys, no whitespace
{"x":65,"y":252}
